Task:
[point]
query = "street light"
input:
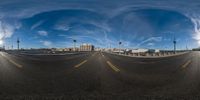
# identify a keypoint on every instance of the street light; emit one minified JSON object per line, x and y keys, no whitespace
{"x":18,"y":41}
{"x":74,"y":45}
{"x":119,"y":46}
{"x":174,"y":45}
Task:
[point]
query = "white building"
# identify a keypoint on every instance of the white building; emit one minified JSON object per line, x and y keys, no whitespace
{"x":157,"y":50}
{"x":139,"y":50}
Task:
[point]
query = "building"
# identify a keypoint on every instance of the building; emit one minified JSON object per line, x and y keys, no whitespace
{"x":140,"y":50}
{"x":86,"y":47}
{"x":67,"y":49}
{"x":145,"y":51}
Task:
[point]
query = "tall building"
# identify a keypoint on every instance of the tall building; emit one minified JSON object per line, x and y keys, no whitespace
{"x":86,"y":47}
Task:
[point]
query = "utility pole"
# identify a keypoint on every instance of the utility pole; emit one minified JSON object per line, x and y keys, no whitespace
{"x":12,"y":46}
{"x":11,"y":43}
{"x":18,"y":43}
{"x":186,"y":48}
{"x":174,"y":45}
{"x":120,"y":46}
{"x":110,"y":48}
{"x":74,"y":45}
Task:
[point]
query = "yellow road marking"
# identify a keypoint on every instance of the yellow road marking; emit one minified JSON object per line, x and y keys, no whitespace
{"x":186,"y":64}
{"x":112,"y":66}
{"x":78,"y":65}
{"x":16,"y":64}
{"x":11,"y":61}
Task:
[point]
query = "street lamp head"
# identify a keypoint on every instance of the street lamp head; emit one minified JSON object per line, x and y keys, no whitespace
{"x":18,"y":40}
{"x":174,"y":42}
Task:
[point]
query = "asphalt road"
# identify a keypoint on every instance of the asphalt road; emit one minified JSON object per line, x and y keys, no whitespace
{"x":99,"y":74}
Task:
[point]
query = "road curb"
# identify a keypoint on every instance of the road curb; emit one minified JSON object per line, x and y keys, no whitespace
{"x":151,"y":57}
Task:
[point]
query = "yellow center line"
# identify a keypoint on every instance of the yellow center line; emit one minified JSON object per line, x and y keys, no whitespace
{"x":186,"y":64}
{"x":78,"y":65}
{"x":11,"y":61}
{"x":112,"y":66}
{"x":16,"y":64}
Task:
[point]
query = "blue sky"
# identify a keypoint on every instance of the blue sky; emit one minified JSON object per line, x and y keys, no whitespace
{"x":137,"y":24}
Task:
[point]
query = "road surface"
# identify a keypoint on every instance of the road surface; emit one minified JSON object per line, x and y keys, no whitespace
{"x":98,"y":74}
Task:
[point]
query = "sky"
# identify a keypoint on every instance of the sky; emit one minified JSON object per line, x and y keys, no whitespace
{"x":150,"y":24}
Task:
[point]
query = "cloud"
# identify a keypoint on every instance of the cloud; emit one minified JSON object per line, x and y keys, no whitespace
{"x":62,"y":27}
{"x":151,"y":44}
{"x":63,"y":35}
{"x":43,"y":33}
{"x":196,"y":34}
{"x":46,"y":43}
{"x":1,"y":42}
{"x":154,"y":39}
{"x":36,"y":25}
{"x":6,"y":30}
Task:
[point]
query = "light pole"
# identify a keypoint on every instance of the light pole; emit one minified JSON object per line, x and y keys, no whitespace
{"x":11,"y":43}
{"x":110,"y":48}
{"x":120,"y":47}
{"x":74,"y":45}
{"x":12,"y":46}
{"x":174,"y":45}
{"x":18,"y":43}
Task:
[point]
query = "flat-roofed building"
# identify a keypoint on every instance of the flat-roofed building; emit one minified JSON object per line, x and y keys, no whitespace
{"x":140,"y":50}
{"x":86,"y":47}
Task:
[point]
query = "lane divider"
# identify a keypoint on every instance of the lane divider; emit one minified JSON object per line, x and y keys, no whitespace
{"x":186,"y":64}
{"x":78,"y":65}
{"x":11,"y":61}
{"x":112,"y":66}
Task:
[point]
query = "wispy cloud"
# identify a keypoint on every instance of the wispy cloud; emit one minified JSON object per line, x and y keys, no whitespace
{"x":43,"y":33}
{"x":63,"y":35}
{"x":36,"y":25}
{"x":62,"y":27}
{"x":46,"y":43}
{"x":150,"y":44}
{"x":151,"y":39}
